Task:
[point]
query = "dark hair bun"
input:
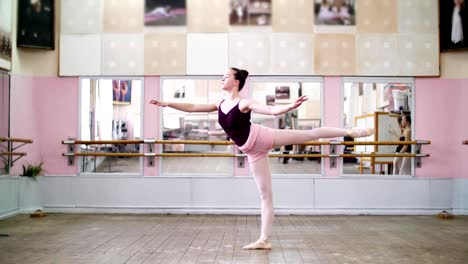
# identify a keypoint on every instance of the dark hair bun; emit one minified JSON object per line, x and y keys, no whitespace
{"x":244,"y":73}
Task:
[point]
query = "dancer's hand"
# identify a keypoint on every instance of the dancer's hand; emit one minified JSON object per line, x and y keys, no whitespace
{"x":159,"y":103}
{"x":299,"y":101}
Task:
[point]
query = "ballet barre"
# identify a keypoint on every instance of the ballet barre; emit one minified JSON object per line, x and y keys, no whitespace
{"x":8,"y":152}
{"x":334,"y":155}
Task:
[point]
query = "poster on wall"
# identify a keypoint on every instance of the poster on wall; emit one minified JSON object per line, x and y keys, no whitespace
{"x":36,"y":24}
{"x":282,"y":92}
{"x":5,"y":33}
{"x":165,"y":13}
{"x":122,"y":92}
{"x":453,"y":24}
{"x":250,"y":12}
{"x":335,"y":12}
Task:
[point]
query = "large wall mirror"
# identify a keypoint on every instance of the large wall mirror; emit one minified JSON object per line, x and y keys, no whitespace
{"x":385,"y":105}
{"x":308,"y":116}
{"x":4,"y":120}
{"x":111,"y":109}
{"x":178,"y":125}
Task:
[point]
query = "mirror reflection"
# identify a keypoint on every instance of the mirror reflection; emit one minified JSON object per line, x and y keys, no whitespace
{"x":111,"y":110}
{"x":386,"y":107}
{"x":308,"y":116}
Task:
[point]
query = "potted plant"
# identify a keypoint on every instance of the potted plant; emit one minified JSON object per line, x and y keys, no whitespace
{"x":30,"y":191}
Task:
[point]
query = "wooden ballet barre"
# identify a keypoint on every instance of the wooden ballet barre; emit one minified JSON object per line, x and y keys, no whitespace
{"x":101,"y":142}
{"x":19,"y":140}
{"x":416,"y":142}
{"x":13,"y":154}
{"x":383,"y":155}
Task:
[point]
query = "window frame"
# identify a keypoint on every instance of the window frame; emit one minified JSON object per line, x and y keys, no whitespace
{"x":408,"y":80}
{"x":138,"y":174}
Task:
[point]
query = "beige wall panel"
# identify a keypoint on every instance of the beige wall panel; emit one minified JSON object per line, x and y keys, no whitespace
{"x":419,"y":54}
{"x":335,"y":54}
{"x":123,"y":16}
{"x":207,"y":54}
{"x":207,"y":16}
{"x":122,"y":54}
{"x":165,"y":54}
{"x":418,"y":16}
{"x":80,"y":55}
{"x":250,"y":51}
{"x":80,"y":17}
{"x":292,"y":54}
{"x":377,"y":16}
{"x":377,"y":54}
{"x":293,"y":15}
{"x":454,"y":64}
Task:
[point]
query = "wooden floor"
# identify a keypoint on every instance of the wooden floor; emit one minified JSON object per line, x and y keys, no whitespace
{"x":113,"y":239}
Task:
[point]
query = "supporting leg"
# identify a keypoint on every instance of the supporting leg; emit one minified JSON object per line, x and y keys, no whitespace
{"x":262,"y":176}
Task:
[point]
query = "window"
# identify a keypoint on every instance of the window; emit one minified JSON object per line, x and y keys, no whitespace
{"x":111,"y":110}
{"x":178,"y":125}
{"x":378,"y":104}
{"x":307,"y":116}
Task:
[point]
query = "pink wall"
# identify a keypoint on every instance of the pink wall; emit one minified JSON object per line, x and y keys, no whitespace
{"x":44,"y":109}
{"x":440,"y":116}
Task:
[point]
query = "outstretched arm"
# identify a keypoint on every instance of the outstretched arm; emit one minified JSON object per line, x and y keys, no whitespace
{"x":186,"y":107}
{"x":277,"y":109}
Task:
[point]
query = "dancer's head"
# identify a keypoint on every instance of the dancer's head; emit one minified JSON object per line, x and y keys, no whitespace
{"x":234,"y":77}
{"x":406,"y":120}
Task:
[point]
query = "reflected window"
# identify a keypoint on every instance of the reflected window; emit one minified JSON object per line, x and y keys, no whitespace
{"x":111,"y":110}
{"x":386,"y":106}
{"x":307,"y":116}
{"x":178,"y":125}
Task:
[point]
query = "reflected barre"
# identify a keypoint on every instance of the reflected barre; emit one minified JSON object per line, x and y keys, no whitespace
{"x":151,"y":154}
{"x":8,"y":152}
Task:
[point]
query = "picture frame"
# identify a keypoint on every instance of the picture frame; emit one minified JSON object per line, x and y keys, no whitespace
{"x":282,"y":92}
{"x":6,"y":9}
{"x":165,"y":13}
{"x":335,"y":12}
{"x":453,"y":31}
{"x":250,"y":12}
{"x":121,"y":92}
{"x":270,"y":99}
{"x":36,"y":24}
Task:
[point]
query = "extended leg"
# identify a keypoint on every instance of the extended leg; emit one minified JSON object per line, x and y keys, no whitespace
{"x":290,"y":137}
{"x":262,"y":176}
{"x":396,"y":165}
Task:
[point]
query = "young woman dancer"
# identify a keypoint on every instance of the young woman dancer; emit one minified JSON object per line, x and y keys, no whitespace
{"x":256,"y":140}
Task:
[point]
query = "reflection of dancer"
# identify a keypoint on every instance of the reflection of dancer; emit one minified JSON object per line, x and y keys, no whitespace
{"x":115,"y":90}
{"x":457,"y":22}
{"x":164,"y":11}
{"x":256,"y":140}
{"x":405,"y":168}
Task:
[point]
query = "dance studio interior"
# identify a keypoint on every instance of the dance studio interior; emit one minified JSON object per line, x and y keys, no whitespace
{"x":92,"y":172}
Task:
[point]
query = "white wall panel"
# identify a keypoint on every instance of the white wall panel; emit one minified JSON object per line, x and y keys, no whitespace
{"x":377,"y":53}
{"x":292,"y":54}
{"x":122,"y":54}
{"x":9,"y":203}
{"x":80,"y":55}
{"x":250,"y":51}
{"x":80,"y":17}
{"x":207,"y":54}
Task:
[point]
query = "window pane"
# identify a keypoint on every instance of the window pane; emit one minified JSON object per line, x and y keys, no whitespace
{"x":379,"y":105}
{"x":307,"y":116}
{"x":178,"y":125}
{"x":111,"y":110}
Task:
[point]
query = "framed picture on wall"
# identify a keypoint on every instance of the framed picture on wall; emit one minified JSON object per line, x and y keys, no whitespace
{"x":165,"y":13}
{"x":453,"y":24}
{"x":335,"y":12}
{"x":122,"y":92}
{"x":36,"y":24}
{"x":250,"y":12}
{"x":6,"y":9}
{"x":270,"y":100}
{"x":282,"y":92}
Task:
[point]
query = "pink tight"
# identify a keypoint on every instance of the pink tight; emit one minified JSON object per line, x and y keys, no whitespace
{"x":261,"y":168}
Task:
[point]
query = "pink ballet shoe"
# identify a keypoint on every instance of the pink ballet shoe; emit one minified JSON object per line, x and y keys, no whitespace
{"x":360,"y":132}
{"x":259,"y":244}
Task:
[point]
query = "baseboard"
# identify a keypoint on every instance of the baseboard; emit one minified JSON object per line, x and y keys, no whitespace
{"x":460,"y":211}
{"x":9,"y":213}
{"x":246,"y":211}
